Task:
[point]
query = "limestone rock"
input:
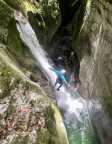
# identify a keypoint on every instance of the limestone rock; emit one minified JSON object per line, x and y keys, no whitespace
{"x":27,"y":115}
{"x":94,"y":48}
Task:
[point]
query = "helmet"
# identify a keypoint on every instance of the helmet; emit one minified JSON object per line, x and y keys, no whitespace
{"x":63,"y":71}
{"x":59,"y":58}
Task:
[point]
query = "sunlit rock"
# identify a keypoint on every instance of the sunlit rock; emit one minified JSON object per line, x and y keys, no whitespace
{"x":27,"y":115}
{"x":94,"y":47}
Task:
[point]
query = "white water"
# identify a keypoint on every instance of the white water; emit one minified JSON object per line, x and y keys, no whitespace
{"x":69,"y":101}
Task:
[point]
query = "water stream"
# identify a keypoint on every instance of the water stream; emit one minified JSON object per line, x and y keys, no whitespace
{"x":73,"y":107}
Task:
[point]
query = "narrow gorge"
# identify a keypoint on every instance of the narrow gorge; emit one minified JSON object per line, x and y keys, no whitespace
{"x":38,"y":37}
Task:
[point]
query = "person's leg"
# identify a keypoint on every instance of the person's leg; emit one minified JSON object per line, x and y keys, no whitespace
{"x":59,"y":86}
{"x":56,"y":82}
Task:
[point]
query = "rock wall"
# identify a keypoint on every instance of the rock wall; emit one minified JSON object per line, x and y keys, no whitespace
{"x":94,"y":49}
{"x":27,"y":115}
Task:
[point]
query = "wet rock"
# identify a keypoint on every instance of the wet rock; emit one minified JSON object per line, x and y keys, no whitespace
{"x":27,"y":116}
{"x":94,"y":49}
{"x":26,"y":113}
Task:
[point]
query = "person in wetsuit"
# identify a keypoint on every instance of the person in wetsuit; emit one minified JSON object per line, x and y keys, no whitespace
{"x":61,"y":77}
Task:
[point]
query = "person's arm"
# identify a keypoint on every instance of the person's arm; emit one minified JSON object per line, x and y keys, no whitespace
{"x":64,"y":79}
{"x":54,"y":70}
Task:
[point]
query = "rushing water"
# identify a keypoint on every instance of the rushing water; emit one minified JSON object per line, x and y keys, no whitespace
{"x":73,"y":107}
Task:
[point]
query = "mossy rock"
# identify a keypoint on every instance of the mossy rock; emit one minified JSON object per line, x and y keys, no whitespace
{"x":14,"y":42}
{"x":22,"y":5}
{"x":29,"y":114}
{"x":5,"y":14}
{"x":27,"y":109}
{"x":5,"y":17}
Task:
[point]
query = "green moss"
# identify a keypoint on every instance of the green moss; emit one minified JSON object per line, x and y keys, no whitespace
{"x":43,"y":137}
{"x":19,"y":92}
{"x":14,"y":42}
{"x":11,"y":109}
{"x":17,"y":48}
{"x":49,"y":136}
{"x":108,"y":105}
{"x":46,"y":21}
{"x":22,"y":5}
{"x":14,"y":85}
{"x":49,"y":113}
{"x":6,"y":77}
{"x":20,"y":140}
{"x":5,"y":14}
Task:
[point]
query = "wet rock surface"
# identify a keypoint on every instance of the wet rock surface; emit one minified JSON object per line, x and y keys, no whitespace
{"x":27,"y":115}
{"x":86,"y":39}
{"x":94,"y":49}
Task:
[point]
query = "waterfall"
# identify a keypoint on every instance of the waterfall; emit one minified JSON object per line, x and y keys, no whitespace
{"x":73,"y":108}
